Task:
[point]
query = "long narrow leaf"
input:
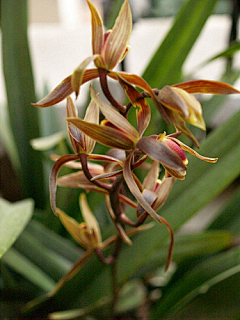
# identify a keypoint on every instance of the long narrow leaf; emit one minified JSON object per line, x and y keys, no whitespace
{"x":54,"y":241}
{"x":28,"y":270}
{"x":166,"y":64}
{"x":50,"y":262}
{"x":192,"y":246}
{"x":229,"y":218}
{"x":201,"y":278}
{"x":20,"y":94}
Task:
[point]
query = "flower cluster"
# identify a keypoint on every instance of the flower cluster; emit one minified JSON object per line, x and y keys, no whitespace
{"x":129,"y":148}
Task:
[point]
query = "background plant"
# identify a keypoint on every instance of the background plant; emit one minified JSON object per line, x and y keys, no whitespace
{"x":58,"y":254}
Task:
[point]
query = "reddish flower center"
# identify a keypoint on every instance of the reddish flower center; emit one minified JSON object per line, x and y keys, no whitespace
{"x":176,"y":148}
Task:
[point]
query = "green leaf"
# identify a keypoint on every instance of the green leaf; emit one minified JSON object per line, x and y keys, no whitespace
{"x":28,"y":270}
{"x":13,"y":219}
{"x":229,"y":52}
{"x":49,"y":142}
{"x":197,"y":281}
{"x":50,"y":262}
{"x":132,"y":295}
{"x":228,"y":218}
{"x":166,"y":64}
{"x":20,"y":93}
{"x":192,"y":246}
{"x":54,"y":242}
{"x":7,"y":139}
{"x":76,"y":313}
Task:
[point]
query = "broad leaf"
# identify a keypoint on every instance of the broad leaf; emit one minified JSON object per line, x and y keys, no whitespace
{"x":13,"y":219}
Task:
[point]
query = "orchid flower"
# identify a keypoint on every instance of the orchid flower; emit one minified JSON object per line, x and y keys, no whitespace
{"x":128,"y":147}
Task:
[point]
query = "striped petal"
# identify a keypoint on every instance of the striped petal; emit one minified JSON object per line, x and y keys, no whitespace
{"x":89,"y":218}
{"x":143,"y":110}
{"x":113,"y":116}
{"x":64,"y":89}
{"x":133,"y":187}
{"x":75,"y":135}
{"x":105,"y":135}
{"x":151,"y":177}
{"x":78,"y":74}
{"x":97,"y":29}
{"x":116,"y":43}
{"x":158,"y":150}
{"x":53,"y":177}
{"x":207,"y":86}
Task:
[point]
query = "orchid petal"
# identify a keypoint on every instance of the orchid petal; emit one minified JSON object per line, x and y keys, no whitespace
{"x":107,"y":175}
{"x":97,"y":29}
{"x":73,"y":227}
{"x":89,"y":218}
{"x":193,"y":152}
{"x":78,"y":74}
{"x":162,"y":190}
{"x":125,"y":53}
{"x":171,"y":99}
{"x":158,"y":150}
{"x":184,"y":103}
{"x":105,"y":158}
{"x":178,"y":174}
{"x":170,"y":249}
{"x":75,"y":135}
{"x":53,"y":177}
{"x":78,"y":180}
{"x":143,"y":110}
{"x":133,"y":79}
{"x":151,"y":177}
{"x":207,"y":86}
{"x":115,"y":45}
{"x":92,"y":115}
{"x":92,"y":166}
{"x":115,"y":117}
{"x":58,"y":94}
{"x":150,"y":197}
{"x":180,"y":125}
{"x":64,"y":89}
{"x":70,"y":164}
{"x":128,"y":176}
{"x":105,"y":135}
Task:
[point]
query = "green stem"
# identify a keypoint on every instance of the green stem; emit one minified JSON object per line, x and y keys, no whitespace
{"x":114,"y":277}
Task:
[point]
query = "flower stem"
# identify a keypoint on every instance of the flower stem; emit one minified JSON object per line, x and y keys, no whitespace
{"x":107,"y":93}
{"x":83,"y":160}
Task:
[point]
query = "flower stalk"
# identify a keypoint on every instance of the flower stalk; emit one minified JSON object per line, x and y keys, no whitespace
{"x":160,"y":157}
